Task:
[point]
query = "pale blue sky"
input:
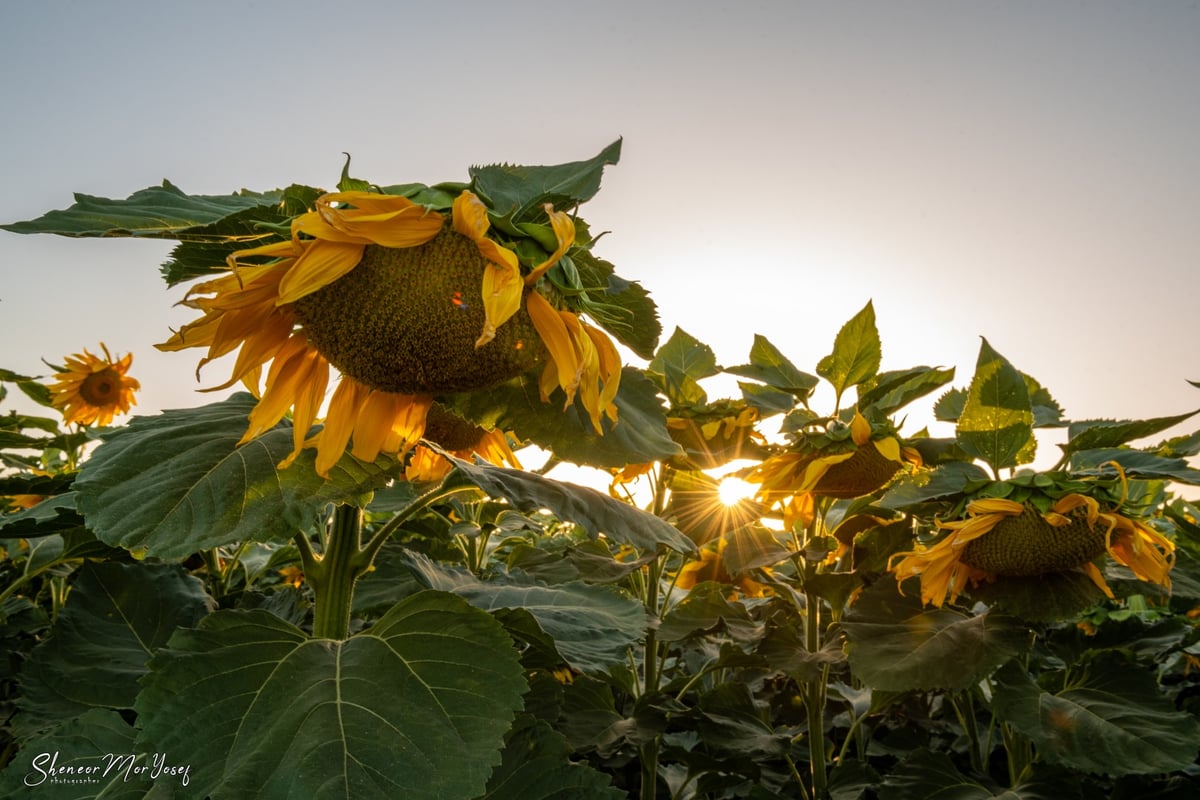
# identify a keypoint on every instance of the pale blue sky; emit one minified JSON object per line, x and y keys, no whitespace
{"x":1025,"y":171}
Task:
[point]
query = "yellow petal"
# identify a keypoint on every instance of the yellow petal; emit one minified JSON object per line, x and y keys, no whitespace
{"x":564,"y":232}
{"x":339,"y":423}
{"x":368,"y":217}
{"x":610,"y":369}
{"x":553,"y":333}
{"x":860,"y":430}
{"x":889,"y":448}
{"x":322,"y":263}
{"x":995,"y":505}
{"x":502,"y":290}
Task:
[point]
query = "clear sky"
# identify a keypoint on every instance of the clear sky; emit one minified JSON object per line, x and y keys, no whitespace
{"x":1024,"y":171}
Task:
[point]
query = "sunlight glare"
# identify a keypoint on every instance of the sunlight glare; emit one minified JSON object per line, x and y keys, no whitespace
{"x":733,"y":490}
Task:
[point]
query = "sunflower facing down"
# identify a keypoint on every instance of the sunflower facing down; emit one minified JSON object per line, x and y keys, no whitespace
{"x":92,"y":390}
{"x":859,"y":467}
{"x":406,"y":308}
{"x":1003,"y":538}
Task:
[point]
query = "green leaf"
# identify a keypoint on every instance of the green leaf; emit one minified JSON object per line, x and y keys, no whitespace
{"x":593,"y":511}
{"x":946,"y":481}
{"x":536,"y":765}
{"x":177,"y":483}
{"x":639,"y":435}
{"x":706,"y":609}
{"x":160,"y":212}
{"x":1113,"y":720}
{"x":891,"y":391}
{"x":116,"y":616}
{"x":949,"y":406}
{"x":1103,"y":433}
{"x":924,"y":775}
{"x":895,"y":644}
{"x":1136,"y":463}
{"x":1047,"y":413}
{"x":679,"y":365}
{"x":768,"y":365}
{"x":856,"y":352}
{"x":731,"y":722}
{"x":1041,"y":598}
{"x":931,"y":776}
{"x":621,"y":307}
{"x":416,"y":706}
{"x":592,"y":626}
{"x":512,"y":190}
{"x":82,"y":744}
{"x":52,"y":515}
{"x":205,"y":248}
{"x":996,"y":424}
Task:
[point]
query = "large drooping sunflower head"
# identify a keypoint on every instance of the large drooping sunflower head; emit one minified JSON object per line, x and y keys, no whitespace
{"x":999,"y":538}
{"x":91,"y":390}
{"x":409,"y":301}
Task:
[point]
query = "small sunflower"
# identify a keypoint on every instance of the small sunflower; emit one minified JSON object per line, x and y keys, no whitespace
{"x":1003,"y":538}
{"x":406,"y":308}
{"x":857,"y":467}
{"x":92,"y":390}
{"x":711,"y":567}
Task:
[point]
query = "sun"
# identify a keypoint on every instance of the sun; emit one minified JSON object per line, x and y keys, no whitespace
{"x":733,"y":490}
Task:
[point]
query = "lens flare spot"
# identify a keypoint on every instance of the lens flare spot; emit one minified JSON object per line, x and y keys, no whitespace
{"x":733,"y":490}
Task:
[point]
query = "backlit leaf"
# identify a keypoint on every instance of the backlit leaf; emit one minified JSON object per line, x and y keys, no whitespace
{"x":1102,"y":433}
{"x":679,"y":365}
{"x":593,"y":511}
{"x":856,"y":352}
{"x":770,"y":366}
{"x":512,"y":190}
{"x":996,"y":423}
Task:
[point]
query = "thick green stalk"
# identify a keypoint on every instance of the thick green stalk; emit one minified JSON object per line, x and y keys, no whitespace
{"x":339,"y":569}
{"x":650,"y":662}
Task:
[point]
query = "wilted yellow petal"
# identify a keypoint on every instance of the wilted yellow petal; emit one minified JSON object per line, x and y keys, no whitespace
{"x":995,"y":505}
{"x":339,"y":423}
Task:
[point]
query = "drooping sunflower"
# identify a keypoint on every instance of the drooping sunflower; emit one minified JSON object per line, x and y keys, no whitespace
{"x":854,"y":467}
{"x":999,"y":538}
{"x":91,"y":390}
{"x":407,"y":308}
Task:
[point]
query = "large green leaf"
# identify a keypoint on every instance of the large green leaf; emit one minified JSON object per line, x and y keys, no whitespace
{"x":1113,"y":720}
{"x":679,"y":365}
{"x":638,"y":436}
{"x":415,"y":706}
{"x":856,"y":352}
{"x":921,"y":487}
{"x":593,"y":511}
{"x":537,"y":766}
{"x":770,"y":366}
{"x":895,"y":644}
{"x":116,"y":616}
{"x":177,"y":483}
{"x":996,"y":423}
{"x":706,"y":609}
{"x":1100,"y":433}
{"x":592,"y":626}
{"x":94,"y":752}
{"x":512,"y":190}
{"x":162,"y":212}
{"x":52,"y":515}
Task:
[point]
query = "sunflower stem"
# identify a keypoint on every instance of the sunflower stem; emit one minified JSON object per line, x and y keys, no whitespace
{"x":650,"y":658}
{"x":340,"y":567}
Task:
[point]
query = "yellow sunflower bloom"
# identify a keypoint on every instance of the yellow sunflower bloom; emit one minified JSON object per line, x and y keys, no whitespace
{"x":93,"y":390}
{"x":1002,"y":538}
{"x":405,"y":307}
{"x":711,"y":567}
{"x":460,"y":438}
{"x":856,"y":472}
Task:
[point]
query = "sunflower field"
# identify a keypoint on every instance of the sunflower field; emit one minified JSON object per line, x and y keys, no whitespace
{"x":355,"y":576}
